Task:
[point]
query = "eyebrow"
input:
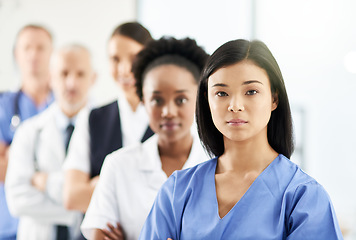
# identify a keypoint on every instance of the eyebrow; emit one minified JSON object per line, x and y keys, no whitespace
{"x":244,"y":83}
{"x":178,"y":91}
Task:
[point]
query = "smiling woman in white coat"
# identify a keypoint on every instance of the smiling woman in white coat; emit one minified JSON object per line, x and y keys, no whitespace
{"x":34,"y":176}
{"x":167,"y":72}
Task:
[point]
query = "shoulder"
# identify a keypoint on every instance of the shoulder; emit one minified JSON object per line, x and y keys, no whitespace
{"x":286,"y":173}
{"x":193,"y":175}
{"x":104,"y":115}
{"x":301,"y":187}
{"x":305,"y":201}
{"x":7,"y":96}
{"x":184,"y":182}
{"x":7,"y":102}
{"x":37,"y":122}
{"x":106,"y":108}
{"x":295,"y":175}
{"x":304,"y":186}
{"x":126,"y":157}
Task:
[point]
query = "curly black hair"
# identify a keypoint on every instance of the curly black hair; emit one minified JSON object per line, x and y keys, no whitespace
{"x":168,"y":50}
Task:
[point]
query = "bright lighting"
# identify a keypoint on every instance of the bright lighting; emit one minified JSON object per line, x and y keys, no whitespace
{"x":350,"y":62}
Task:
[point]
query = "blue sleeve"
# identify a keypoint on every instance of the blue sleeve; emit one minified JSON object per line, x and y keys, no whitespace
{"x":5,"y":111}
{"x":161,"y":221}
{"x":312,"y":215}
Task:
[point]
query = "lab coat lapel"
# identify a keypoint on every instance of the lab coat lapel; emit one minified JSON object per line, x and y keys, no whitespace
{"x":50,"y":154}
{"x":150,"y":164}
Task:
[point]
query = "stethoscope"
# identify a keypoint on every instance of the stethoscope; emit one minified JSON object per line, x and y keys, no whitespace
{"x":16,"y":120}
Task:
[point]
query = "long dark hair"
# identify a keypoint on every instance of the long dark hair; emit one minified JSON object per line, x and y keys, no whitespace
{"x":133,"y":30}
{"x":279,"y":129}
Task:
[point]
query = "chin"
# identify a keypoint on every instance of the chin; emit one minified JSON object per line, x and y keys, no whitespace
{"x":73,"y":108}
{"x":128,"y":87}
{"x":173,"y":137}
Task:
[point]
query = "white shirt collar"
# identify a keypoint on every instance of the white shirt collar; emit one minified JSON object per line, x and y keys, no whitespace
{"x":153,"y":162}
{"x":133,"y":124}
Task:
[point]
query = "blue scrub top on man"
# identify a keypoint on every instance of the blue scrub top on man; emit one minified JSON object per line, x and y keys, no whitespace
{"x":12,"y":103}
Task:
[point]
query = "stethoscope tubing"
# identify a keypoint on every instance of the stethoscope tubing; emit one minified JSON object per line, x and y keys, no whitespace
{"x":16,"y":119}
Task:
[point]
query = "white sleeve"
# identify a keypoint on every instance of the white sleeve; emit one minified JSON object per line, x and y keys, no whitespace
{"x":54,"y":186}
{"x":78,"y":156}
{"x":103,"y":207}
{"x":23,"y":199}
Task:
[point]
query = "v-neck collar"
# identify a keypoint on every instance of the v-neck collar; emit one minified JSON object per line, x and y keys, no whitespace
{"x":245,"y":195}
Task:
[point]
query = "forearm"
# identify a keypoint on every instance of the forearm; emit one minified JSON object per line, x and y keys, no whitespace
{"x":50,"y":183}
{"x":3,"y":161}
{"x":78,"y":189}
{"x":3,"y":167}
{"x":97,"y":234}
{"x":78,"y":197}
{"x":25,"y":200}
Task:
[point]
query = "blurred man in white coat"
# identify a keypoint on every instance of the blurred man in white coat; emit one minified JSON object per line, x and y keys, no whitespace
{"x":34,"y":176}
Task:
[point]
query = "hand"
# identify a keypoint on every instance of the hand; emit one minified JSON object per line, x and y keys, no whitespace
{"x":39,"y":180}
{"x":114,"y":233}
{"x":169,"y":239}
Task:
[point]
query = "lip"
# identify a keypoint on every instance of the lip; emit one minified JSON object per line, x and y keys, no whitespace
{"x":236,"y":122}
{"x":126,"y":81}
{"x":169,"y":125}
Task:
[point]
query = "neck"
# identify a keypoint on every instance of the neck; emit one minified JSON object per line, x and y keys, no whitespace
{"x":70,"y":114}
{"x":132,"y":99}
{"x":71,"y":110}
{"x":246,"y":156}
{"x":176,"y":149}
{"x":37,"y":88}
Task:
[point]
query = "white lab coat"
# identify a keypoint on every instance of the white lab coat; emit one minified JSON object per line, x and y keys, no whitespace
{"x":38,"y":211}
{"x":129,"y":181}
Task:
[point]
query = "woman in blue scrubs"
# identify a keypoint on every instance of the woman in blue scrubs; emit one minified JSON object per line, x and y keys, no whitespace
{"x":250,"y":190}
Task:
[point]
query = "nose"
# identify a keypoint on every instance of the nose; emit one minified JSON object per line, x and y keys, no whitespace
{"x":169,"y":110}
{"x":71,"y":81}
{"x":124,"y":68}
{"x":236,"y":105}
{"x":32,"y":53}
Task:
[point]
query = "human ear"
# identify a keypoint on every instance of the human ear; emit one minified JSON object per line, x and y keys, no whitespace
{"x":274,"y":101}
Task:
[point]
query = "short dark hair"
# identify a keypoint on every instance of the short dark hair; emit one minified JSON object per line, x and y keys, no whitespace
{"x":133,"y":30}
{"x":279,"y":129}
{"x":168,"y":50}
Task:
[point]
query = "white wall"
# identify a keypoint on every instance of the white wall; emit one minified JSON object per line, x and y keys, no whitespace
{"x":310,"y":40}
{"x":89,"y":22}
{"x":210,"y":22}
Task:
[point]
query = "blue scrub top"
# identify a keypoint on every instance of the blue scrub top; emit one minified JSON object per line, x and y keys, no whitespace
{"x":282,"y":203}
{"x":27,"y":108}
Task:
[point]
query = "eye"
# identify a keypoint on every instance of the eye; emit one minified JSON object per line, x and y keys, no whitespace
{"x":221,"y":94}
{"x":251,"y":92}
{"x":65,"y":73}
{"x":81,"y":74}
{"x":115,"y":59}
{"x":181,"y":100}
{"x":156,"y":101}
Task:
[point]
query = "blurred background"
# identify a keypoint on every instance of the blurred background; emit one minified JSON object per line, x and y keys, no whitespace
{"x":314,"y":42}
